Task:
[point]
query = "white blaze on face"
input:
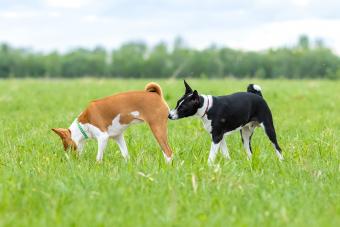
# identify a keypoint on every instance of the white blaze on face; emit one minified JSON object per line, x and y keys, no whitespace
{"x":173,"y":114}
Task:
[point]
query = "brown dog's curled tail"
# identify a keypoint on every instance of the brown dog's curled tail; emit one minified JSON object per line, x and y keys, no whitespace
{"x":154,"y":87}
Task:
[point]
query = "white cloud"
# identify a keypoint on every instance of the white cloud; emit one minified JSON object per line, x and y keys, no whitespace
{"x":278,"y":33}
{"x":11,"y":14}
{"x":246,"y":24}
{"x":301,"y":3}
{"x":72,"y":4}
{"x":53,"y":14}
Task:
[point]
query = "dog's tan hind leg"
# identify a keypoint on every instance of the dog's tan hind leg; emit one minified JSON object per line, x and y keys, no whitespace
{"x":159,"y":129}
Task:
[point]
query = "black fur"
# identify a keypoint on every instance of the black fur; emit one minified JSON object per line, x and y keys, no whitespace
{"x":230,"y":112}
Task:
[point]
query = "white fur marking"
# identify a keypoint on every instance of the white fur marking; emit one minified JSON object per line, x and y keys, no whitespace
{"x":262,"y":126}
{"x":257,"y":87}
{"x":78,"y":137}
{"x":182,"y":102}
{"x":122,"y":146}
{"x":135,"y":113}
{"x":116,"y":128}
{"x":102,"y":142}
{"x":247,"y":131}
{"x":279,"y":155}
{"x":167,"y":159}
{"x":173,"y":114}
{"x":213,"y":152}
{"x":200,"y":112}
{"x":224,"y":149}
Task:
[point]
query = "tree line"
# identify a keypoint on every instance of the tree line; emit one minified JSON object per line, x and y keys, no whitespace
{"x":305,"y":59}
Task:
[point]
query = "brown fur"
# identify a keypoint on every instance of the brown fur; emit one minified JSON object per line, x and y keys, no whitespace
{"x":150,"y":104}
{"x":65,"y":135}
{"x":153,"y":87}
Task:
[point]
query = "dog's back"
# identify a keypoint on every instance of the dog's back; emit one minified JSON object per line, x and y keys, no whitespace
{"x":140,"y":105}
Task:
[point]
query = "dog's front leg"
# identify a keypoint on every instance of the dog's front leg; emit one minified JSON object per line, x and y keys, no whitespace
{"x":215,"y":145}
{"x":213,"y":152}
{"x":122,"y":146}
{"x":224,"y":149}
{"x":80,"y":147}
{"x":102,"y":142}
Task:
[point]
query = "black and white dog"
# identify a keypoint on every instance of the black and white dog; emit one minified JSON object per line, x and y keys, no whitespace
{"x":222,"y":115}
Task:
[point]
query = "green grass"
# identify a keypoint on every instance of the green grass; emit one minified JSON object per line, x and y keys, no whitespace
{"x":40,"y":185}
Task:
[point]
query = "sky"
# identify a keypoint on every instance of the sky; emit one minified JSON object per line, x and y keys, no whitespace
{"x":48,"y":25}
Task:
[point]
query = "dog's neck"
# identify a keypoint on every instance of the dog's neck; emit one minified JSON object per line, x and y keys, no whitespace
{"x":206,"y":102}
{"x":76,"y":134}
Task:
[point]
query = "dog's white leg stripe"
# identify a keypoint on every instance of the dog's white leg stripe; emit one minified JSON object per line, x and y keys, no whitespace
{"x":102,"y":142}
{"x":224,"y":149}
{"x":167,"y":159}
{"x":246,"y":134}
{"x":81,"y":147}
{"x":278,"y":153}
{"x":122,"y":146}
{"x":213,"y":152}
{"x":246,"y":146}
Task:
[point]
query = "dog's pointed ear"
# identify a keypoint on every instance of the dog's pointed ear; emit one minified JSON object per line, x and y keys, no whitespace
{"x":62,"y":132}
{"x":187,"y":88}
{"x":195,"y":96}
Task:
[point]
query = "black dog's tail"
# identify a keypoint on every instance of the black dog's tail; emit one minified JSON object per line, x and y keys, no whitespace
{"x":253,"y":88}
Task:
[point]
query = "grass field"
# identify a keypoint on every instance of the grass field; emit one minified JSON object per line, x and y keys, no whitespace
{"x":40,"y":185}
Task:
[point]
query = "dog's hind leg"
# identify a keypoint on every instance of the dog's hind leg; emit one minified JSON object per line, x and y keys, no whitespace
{"x":270,"y":131}
{"x":246,"y":134}
{"x":159,"y":130}
{"x":122,"y":146}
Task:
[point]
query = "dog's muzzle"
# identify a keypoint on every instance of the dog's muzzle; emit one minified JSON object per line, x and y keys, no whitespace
{"x":173,"y":115}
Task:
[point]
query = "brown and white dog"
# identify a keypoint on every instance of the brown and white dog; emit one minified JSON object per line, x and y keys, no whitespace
{"x":109,"y":117}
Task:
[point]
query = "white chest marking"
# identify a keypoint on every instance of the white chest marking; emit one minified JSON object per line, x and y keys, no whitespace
{"x":207,"y":124}
{"x":91,"y":131}
{"x":95,"y":132}
{"x":208,"y":100}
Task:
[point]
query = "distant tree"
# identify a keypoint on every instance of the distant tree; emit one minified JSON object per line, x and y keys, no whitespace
{"x":53,"y":65}
{"x":319,"y":43}
{"x":129,"y":60}
{"x":137,"y":60}
{"x":158,"y":63}
{"x":5,"y":61}
{"x":303,"y":42}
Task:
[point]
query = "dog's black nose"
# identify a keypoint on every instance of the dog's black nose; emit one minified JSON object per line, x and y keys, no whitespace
{"x":169,"y":116}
